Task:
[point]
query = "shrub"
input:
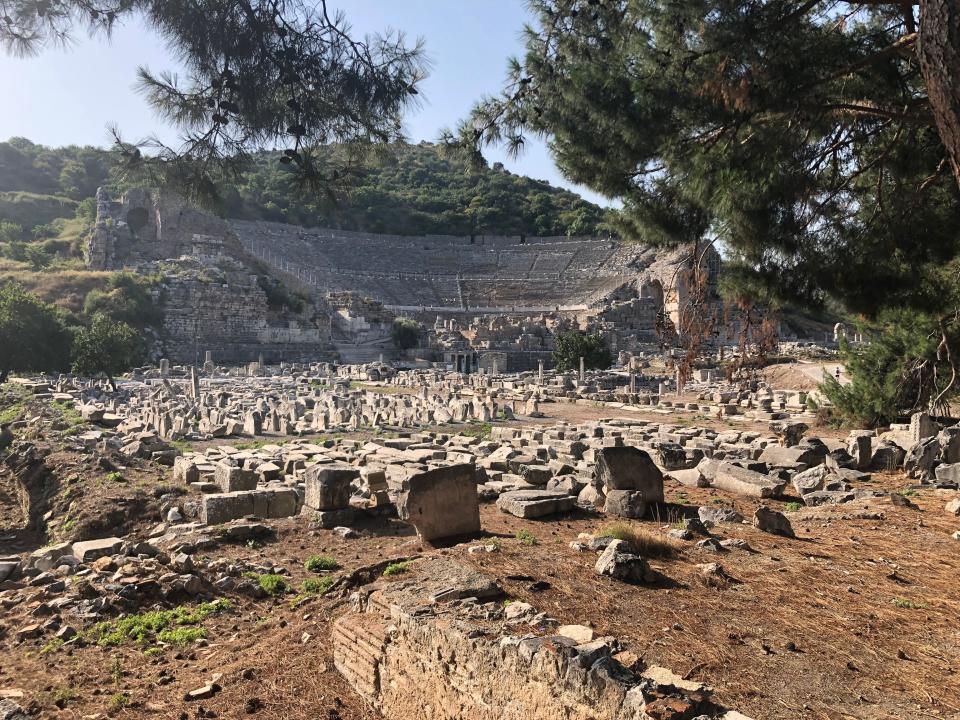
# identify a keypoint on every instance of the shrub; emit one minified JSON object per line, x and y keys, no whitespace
{"x":33,"y":334}
{"x":644,"y":543}
{"x":570,"y":347}
{"x":397,"y":568}
{"x":318,"y":563}
{"x":273,"y":585}
{"x":317,"y":586}
{"x":405,"y":333}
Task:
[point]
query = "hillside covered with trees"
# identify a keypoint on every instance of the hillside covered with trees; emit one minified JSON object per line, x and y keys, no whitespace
{"x":412,"y":190}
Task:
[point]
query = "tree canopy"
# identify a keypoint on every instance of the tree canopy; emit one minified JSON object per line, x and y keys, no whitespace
{"x":813,"y":140}
{"x":33,"y":335}
{"x":801,"y":135}
{"x":572,"y":346}
{"x":257,"y":73}
{"x":107,"y":346}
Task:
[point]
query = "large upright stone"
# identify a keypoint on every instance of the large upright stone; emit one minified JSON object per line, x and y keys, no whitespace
{"x":629,"y":468}
{"x":859,"y":445}
{"x":441,"y":502}
{"x":327,"y":486}
{"x":234,"y":479}
{"x":922,"y":426}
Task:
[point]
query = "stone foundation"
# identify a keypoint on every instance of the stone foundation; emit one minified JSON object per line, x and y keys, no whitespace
{"x":429,"y":649}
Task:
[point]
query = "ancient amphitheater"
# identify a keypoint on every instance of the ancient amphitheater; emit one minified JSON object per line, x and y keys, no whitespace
{"x":226,"y":287}
{"x":446,"y":273}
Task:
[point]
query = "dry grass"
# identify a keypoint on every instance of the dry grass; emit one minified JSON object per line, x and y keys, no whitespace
{"x":644,"y":542}
{"x":66,"y":289}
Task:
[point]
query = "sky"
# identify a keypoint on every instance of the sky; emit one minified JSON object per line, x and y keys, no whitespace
{"x":69,"y":96}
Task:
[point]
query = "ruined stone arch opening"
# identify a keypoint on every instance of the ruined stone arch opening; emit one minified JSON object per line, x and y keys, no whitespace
{"x":653,"y":289}
{"x":137,"y":219}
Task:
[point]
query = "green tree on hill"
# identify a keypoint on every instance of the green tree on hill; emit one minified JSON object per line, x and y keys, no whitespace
{"x":106,"y":347}
{"x":572,"y":346}
{"x":406,"y":333}
{"x":33,"y":335}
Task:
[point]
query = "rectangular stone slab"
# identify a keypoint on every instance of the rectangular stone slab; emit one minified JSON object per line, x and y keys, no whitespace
{"x":736,"y":479}
{"x":535,"y":503}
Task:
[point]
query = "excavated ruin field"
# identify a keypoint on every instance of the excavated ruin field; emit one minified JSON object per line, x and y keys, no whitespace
{"x":853,"y":618}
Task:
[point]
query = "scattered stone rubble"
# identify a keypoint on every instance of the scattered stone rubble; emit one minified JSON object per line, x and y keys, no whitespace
{"x":427,"y":647}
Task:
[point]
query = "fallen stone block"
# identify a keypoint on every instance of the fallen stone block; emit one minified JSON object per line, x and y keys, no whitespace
{"x":327,"y":486}
{"x":219,"y":508}
{"x":712,"y":515}
{"x":629,"y":468}
{"x":233,"y":479}
{"x":441,"y":503}
{"x":535,"y":503}
{"x":737,"y":479}
{"x":689,"y":478}
{"x":625,"y":503}
{"x":617,"y":561}
{"x":775,"y":456}
{"x":275,"y":502}
{"x":330,"y":519}
{"x":89,"y":550}
{"x":771,"y":521}
{"x":948,"y":472}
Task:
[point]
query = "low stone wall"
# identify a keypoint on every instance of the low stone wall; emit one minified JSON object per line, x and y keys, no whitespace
{"x":428,"y":649}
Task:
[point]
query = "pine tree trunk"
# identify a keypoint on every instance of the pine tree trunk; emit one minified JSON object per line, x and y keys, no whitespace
{"x":939,"y":51}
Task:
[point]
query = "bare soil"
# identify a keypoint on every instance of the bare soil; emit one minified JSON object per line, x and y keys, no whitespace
{"x":856,"y":618}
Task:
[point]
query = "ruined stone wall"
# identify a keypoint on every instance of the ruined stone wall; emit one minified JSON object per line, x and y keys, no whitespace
{"x":211,"y":298}
{"x":230,"y":319}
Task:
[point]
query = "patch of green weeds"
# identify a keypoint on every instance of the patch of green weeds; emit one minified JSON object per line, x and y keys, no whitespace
{"x":527,"y":538}
{"x":158,"y":626}
{"x":273,"y":585}
{"x":51,"y":646}
{"x":793,"y":506}
{"x":905,"y":604}
{"x":397,"y":568}
{"x":320,"y":563}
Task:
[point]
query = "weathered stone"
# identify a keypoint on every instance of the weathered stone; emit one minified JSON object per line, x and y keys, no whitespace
{"x":441,"y":503}
{"x":625,"y":503}
{"x":887,"y":456}
{"x":859,"y":446}
{"x":330,"y":519}
{"x":233,"y":479}
{"x":327,"y":486}
{"x":948,"y":473}
{"x":919,"y":461}
{"x":89,"y":550}
{"x":535,"y":503}
{"x":629,"y":468}
{"x":712,"y":515}
{"x":775,"y":456}
{"x":736,"y":479}
{"x":618,"y":562}
{"x":772,"y":521}
{"x":219,"y":508}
